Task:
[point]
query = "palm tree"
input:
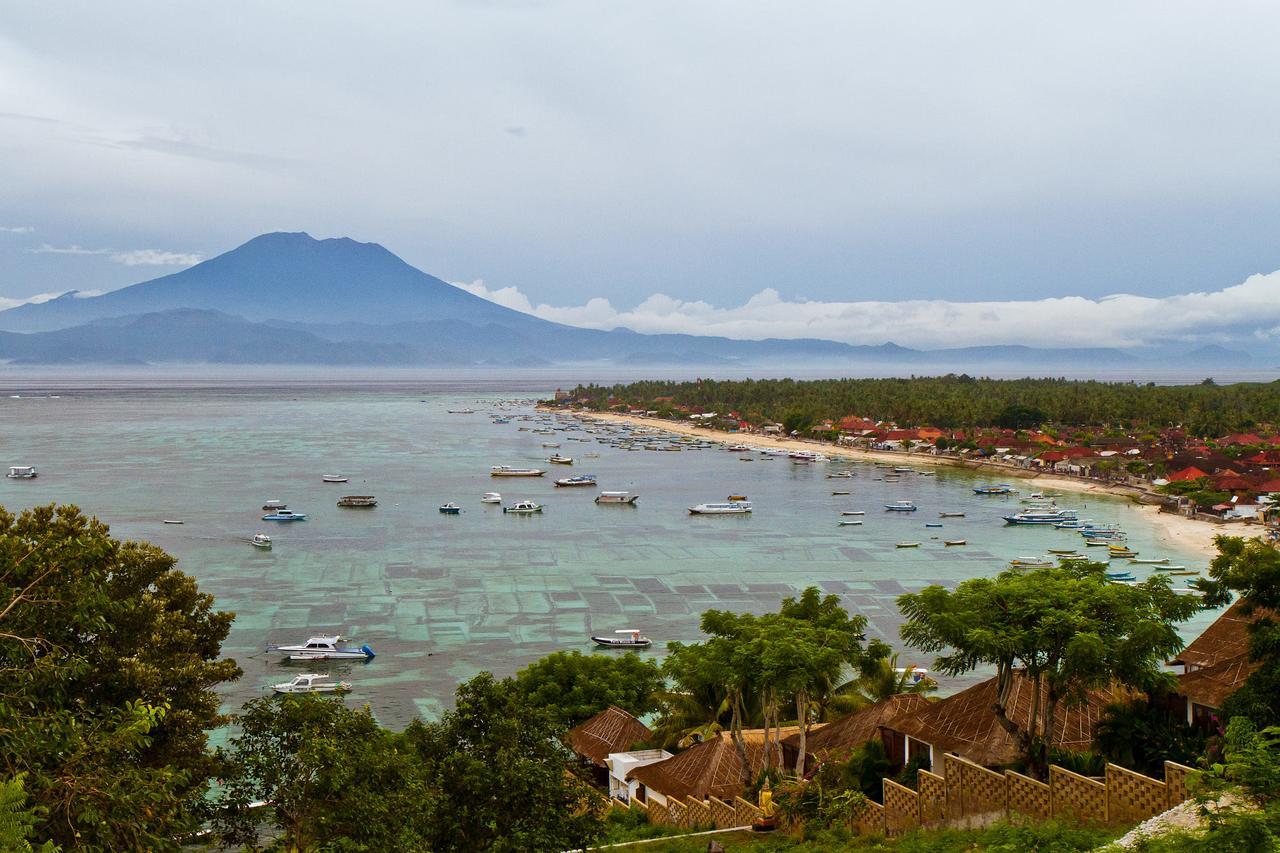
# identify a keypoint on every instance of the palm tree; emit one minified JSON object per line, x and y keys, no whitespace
{"x":879,"y":678}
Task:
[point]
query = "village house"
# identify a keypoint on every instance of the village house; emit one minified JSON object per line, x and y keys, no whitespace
{"x":1215,"y":664}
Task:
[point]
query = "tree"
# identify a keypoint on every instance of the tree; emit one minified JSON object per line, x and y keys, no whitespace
{"x":574,"y":687}
{"x":879,"y":678}
{"x":1065,"y":629}
{"x":110,"y":659}
{"x":17,"y":819}
{"x":331,"y":775}
{"x":1251,"y":569}
{"x":499,"y":777}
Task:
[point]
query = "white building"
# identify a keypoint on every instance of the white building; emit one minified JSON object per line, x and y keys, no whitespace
{"x":621,"y":764}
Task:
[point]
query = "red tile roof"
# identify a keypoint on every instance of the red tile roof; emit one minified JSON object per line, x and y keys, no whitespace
{"x":612,"y":730}
{"x":1186,"y":475}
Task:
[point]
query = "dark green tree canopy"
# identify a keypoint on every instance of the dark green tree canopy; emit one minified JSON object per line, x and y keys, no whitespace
{"x":573,"y":687}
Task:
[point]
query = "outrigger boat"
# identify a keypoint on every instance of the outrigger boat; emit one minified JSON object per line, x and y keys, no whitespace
{"x":312,"y":682}
{"x":324,"y":647}
{"x":285,"y":515}
{"x":508,"y":471}
{"x":1002,"y":489}
{"x":633,"y":639}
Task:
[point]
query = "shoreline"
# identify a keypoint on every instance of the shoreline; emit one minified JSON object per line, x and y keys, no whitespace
{"x":1187,"y":533}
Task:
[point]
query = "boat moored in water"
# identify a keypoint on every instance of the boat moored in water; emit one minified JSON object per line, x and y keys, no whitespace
{"x":273,"y":504}
{"x":450,"y":508}
{"x":630,"y":638}
{"x":901,"y":506}
{"x":557,"y":459}
{"x":334,"y":478}
{"x":491,"y":498}
{"x":523,"y":508}
{"x":508,"y":471}
{"x":731,"y":508}
{"x":22,"y":472}
{"x":261,"y":540}
{"x":324,"y":647}
{"x":285,"y":515}
{"x":578,"y":480}
{"x":1002,"y":489}
{"x":625,"y":498}
{"x":357,"y":501}
{"x":312,"y":682}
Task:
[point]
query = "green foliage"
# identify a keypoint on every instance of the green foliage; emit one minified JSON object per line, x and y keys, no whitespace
{"x":573,"y":687}
{"x":1065,"y":629}
{"x":633,"y":825}
{"x":17,"y":819}
{"x":1016,"y":416}
{"x":112,"y":659}
{"x":1142,"y":734}
{"x":862,"y":771}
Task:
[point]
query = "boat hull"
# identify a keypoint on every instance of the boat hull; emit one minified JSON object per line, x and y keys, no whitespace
{"x":610,"y":643}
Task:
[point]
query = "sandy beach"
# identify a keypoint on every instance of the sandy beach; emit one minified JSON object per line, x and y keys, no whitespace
{"x":1188,"y":533}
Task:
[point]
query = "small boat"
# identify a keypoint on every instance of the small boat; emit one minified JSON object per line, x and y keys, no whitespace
{"x":840,"y":475}
{"x":324,"y":647}
{"x":1063,"y":551}
{"x":932,"y":524}
{"x":550,"y":445}
{"x":1150,"y":561}
{"x":261,"y":540}
{"x":491,"y":498}
{"x":1186,"y":572}
{"x":285,"y":515}
{"x":557,"y":459}
{"x":1123,"y":554}
{"x":333,"y":478}
{"x":1096,"y":543}
{"x":1023,"y":563}
{"x":174,"y":521}
{"x":508,"y":471}
{"x":1120,"y":576}
{"x":730,"y":508}
{"x":850,"y":522}
{"x":954,"y":542}
{"x":273,"y":505}
{"x":951,"y":515}
{"x":1002,"y":489}
{"x":839,"y":493}
{"x":22,"y":472}
{"x":738,"y":448}
{"x":312,"y":683}
{"x":617,"y":498}
{"x":632,"y":639}
{"x":357,"y":501}
{"x":1170,"y":569}
{"x":737,"y":497}
{"x":901,"y":506}
{"x":907,"y":545}
{"x":853,"y":512}
{"x":1039,"y":516}
{"x":523,"y":508}
{"x":450,"y":508}
{"x":461,"y":411}
{"x":579,"y":480}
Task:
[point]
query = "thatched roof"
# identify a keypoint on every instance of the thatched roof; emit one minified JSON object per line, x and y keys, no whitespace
{"x":1226,"y":638}
{"x":1211,"y":685}
{"x":837,"y":740}
{"x":966,"y":725}
{"x":612,"y":730}
{"x":710,"y":769}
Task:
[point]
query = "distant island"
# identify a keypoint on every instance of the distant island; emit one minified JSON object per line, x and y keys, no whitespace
{"x":288,"y":298}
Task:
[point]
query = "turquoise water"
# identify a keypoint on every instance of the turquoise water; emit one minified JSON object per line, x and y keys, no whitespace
{"x":441,"y":597}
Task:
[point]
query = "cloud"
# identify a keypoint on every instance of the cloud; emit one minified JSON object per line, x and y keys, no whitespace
{"x":16,"y":229}
{"x":7,"y":302}
{"x":130,"y":258}
{"x":1249,"y":311}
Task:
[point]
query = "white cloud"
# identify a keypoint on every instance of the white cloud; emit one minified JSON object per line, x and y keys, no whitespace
{"x":156,"y":258}
{"x":1249,"y":310}
{"x":46,"y":249}
{"x":16,"y":229}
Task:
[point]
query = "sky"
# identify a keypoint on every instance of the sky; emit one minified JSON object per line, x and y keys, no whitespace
{"x":786,"y":169}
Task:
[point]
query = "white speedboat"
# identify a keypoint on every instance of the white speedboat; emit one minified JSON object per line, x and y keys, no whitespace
{"x":557,"y":459}
{"x":312,"y":682}
{"x":22,"y":472}
{"x":261,"y":540}
{"x":579,"y":480}
{"x":491,"y":498}
{"x":333,"y":478}
{"x":508,"y":471}
{"x":730,"y":508}
{"x":523,"y":508}
{"x":901,"y":506}
{"x":630,"y":638}
{"x":324,"y":647}
{"x":617,"y":498}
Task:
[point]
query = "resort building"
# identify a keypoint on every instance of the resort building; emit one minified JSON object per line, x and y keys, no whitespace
{"x":838,"y":740}
{"x":611,"y":731}
{"x":713,"y":768}
{"x":1215,"y":664}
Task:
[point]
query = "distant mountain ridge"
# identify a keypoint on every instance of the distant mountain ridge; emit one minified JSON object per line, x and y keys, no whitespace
{"x":290,"y":298}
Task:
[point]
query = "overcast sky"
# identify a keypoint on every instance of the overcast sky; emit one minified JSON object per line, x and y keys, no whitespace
{"x":715,"y":153}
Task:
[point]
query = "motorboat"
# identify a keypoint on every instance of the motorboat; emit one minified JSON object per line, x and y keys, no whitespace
{"x":951,"y":515}
{"x":908,"y":545}
{"x":312,"y":682}
{"x":550,"y":445}
{"x":738,"y":448}
{"x":617,"y":498}
{"x":460,"y":411}
{"x":730,"y":508}
{"x":22,"y":472}
{"x":933,"y":524}
{"x":802,"y":457}
{"x":901,"y":506}
{"x":630,"y":638}
{"x":334,"y":478}
{"x":557,"y":459}
{"x":853,"y":512}
{"x":491,"y":498}
{"x":358,"y":501}
{"x":1150,"y":561}
{"x":850,"y":522}
{"x":834,"y":494}
{"x":954,"y":542}
{"x":508,"y":471}
{"x":285,"y":515}
{"x":450,"y":508}
{"x":324,"y":647}
{"x":579,"y":480}
{"x":840,"y":475}
{"x":1039,"y":516}
{"x":1002,"y":489}
{"x":1024,"y":563}
{"x":261,"y":540}
{"x":273,"y":504}
{"x":174,"y":521}
{"x":523,"y":508}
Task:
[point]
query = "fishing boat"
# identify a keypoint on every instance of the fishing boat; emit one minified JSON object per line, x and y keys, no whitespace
{"x":508,"y":471}
{"x":557,"y":459}
{"x":273,"y":505}
{"x":738,"y":448}
{"x":1002,"y":489}
{"x":1063,"y":551}
{"x":1186,"y":572}
{"x":839,"y":493}
{"x":324,"y":647}
{"x":450,"y":508}
{"x":285,"y":515}
{"x":1038,"y":516}
{"x":730,"y":508}
{"x":491,"y":498}
{"x":840,"y":475}
{"x":358,"y":501}
{"x":850,"y":522}
{"x":901,"y":506}
{"x":261,"y":540}
{"x":802,"y":457}
{"x":951,"y":515}
{"x":1123,"y":554}
{"x":333,"y":478}
{"x":1150,"y":561}
{"x":630,"y":638}
{"x":461,"y":411}
{"x":523,"y":508}
{"x":853,"y":512}
{"x":312,"y":683}
{"x":954,"y":542}
{"x":1096,"y":543}
{"x":1032,"y":563}
{"x":579,"y":480}
{"x":933,"y":524}
{"x":1120,"y":576}
{"x":907,"y":545}
{"x":550,"y":445}
{"x":22,"y":472}
{"x":625,"y":498}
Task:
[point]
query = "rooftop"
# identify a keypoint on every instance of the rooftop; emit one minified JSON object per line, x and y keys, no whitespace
{"x":612,"y":730}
